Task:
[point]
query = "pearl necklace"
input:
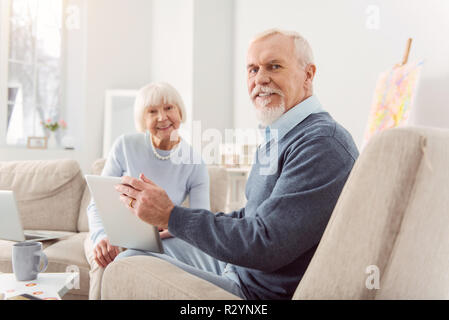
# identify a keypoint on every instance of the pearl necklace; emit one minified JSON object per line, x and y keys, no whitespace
{"x":163,"y":157}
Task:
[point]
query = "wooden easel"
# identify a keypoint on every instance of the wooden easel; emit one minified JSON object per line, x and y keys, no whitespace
{"x":406,"y":53}
{"x":403,"y":63}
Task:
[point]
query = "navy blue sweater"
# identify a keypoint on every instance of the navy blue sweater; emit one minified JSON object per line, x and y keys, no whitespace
{"x":273,"y":238}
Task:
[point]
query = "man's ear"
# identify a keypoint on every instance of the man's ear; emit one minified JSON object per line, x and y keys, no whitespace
{"x":310,"y":75}
{"x":310,"y":72}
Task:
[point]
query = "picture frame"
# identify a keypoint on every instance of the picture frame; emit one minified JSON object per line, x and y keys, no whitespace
{"x":37,"y":142}
{"x":118,"y":116}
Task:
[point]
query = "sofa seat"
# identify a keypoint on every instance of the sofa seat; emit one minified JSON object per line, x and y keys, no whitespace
{"x":61,"y":253}
{"x":155,"y":279}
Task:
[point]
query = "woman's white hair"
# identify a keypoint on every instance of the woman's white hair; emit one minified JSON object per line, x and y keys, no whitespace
{"x":302,"y":46}
{"x":154,"y":94}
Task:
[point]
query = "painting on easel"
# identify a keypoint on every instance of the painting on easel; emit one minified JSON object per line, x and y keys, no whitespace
{"x":394,"y":96}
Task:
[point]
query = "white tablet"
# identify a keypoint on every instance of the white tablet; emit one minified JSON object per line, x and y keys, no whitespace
{"x":122,"y":227}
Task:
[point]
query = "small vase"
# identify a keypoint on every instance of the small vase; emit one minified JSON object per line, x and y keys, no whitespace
{"x":52,"y":142}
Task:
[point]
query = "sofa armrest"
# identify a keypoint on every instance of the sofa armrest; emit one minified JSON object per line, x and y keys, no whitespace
{"x":151,"y":278}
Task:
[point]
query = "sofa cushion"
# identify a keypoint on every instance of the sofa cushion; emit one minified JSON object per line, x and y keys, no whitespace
{"x":83,"y":225}
{"x":98,"y":165}
{"x":218,"y":188}
{"x":48,"y":193}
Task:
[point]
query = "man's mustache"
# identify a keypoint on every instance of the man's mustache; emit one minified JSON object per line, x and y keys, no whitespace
{"x":264,"y":89}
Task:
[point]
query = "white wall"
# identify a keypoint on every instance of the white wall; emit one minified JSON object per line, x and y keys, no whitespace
{"x":192,"y":44}
{"x":4,"y":12}
{"x":172,"y":46}
{"x":349,"y":57}
{"x":118,"y":57}
{"x":213,"y":58}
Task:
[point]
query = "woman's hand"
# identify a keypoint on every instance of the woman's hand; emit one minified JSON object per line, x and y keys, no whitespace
{"x":105,"y":253}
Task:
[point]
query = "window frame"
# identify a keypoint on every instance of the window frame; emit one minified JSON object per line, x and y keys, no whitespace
{"x":5,"y":15}
{"x":5,"y":6}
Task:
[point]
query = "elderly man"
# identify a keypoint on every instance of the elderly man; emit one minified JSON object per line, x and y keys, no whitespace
{"x":262,"y":250}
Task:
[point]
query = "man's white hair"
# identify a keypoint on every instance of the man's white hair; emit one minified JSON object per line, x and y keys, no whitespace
{"x":155,"y":94}
{"x":302,"y":46}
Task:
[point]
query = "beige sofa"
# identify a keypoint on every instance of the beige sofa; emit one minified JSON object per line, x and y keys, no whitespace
{"x":53,"y":196}
{"x":392,"y":215}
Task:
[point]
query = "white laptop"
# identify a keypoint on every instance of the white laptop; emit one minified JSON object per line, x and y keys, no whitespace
{"x":122,"y":227}
{"x":11,"y":226}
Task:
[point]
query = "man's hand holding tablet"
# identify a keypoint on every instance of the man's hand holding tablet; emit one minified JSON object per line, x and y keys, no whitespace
{"x":149,"y":202}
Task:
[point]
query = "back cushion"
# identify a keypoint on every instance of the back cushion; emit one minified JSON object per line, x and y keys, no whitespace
{"x":366,"y":220}
{"x":48,"y":193}
{"x":418,"y":267}
{"x":218,"y":188}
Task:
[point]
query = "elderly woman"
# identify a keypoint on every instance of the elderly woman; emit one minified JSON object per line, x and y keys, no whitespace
{"x":154,"y":152}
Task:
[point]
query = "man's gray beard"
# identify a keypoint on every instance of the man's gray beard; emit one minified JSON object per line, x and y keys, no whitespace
{"x":268,"y":115}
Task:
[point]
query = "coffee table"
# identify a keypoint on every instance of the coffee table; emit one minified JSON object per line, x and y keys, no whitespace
{"x":47,"y":286}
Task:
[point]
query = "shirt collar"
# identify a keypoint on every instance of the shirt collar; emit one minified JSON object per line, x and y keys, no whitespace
{"x":292,"y":117}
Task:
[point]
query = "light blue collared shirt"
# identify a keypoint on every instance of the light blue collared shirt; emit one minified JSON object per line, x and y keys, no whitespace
{"x":291,"y":118}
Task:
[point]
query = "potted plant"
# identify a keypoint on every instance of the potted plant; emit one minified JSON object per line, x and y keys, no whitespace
{"x":53,"y":126}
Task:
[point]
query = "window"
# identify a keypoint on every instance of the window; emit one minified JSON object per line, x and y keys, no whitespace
{"x":35,"y":66}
